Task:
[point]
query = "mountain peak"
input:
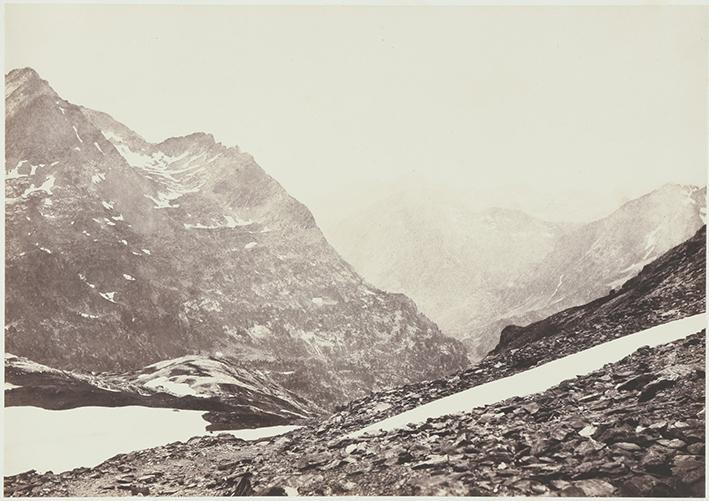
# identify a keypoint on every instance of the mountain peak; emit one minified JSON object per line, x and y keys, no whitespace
{"x":198,"y":247}
{"x":22,"y":85}
{"x":201,"y":138}
{"x":23,"y":77}
{"x":25,"y":73}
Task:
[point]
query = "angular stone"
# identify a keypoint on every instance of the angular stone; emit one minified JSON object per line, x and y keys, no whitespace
{"x":432,"y":462}
{"x":531,"y":408}
{"x":588,"y":431}
{"x":653,"y":388}
{"x":696,"y":449}
{"x":688,"y":469}
{"x":542,"y":445}
{"x":675,"y":443}
{"x":645,"y":486}
{"x":627,"y":446}
{"x":275,"y":490}
{"x":636,"y":382}
{"x":594,"y":487}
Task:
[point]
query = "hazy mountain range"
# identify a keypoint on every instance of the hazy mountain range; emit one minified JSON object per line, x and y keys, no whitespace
{"x":474,"y":272}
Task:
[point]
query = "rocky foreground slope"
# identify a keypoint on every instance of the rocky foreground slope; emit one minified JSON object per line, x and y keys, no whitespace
{"x":633,"y":428}
{"x":670,"y":288}
{"x":122,"y":253}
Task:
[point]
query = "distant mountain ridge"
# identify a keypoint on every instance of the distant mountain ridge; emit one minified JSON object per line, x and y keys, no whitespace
{"x":590,"y":261}
{"x":474,"y":272}
{"x":452,"y":260}
{"x":122,"y":253}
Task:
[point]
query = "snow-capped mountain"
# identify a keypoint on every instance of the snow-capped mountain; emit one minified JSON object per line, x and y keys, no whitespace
{"x":122,"y":253}
{"x":454,"y":261}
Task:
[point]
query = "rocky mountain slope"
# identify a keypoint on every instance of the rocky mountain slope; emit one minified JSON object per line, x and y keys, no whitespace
{"x":122,"y":253}
{"x":634,"y":428}
{"x":672,"y":287}
{"x":476,"y":272}
{"x":235,"y":397}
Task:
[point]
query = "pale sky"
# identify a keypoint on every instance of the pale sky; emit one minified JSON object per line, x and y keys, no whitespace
{"x":561,"y":112}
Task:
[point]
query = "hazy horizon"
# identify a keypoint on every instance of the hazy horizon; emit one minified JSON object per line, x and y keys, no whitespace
{"x":563,"y":113}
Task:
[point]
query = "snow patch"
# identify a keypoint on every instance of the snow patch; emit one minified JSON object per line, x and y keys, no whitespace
{"x":558,"y":286}
{"x":14,"y":173}
{"x":164,"y":200}
{"x":319,"y":301}
{"x":46,"y":187}
{"x":98,"y":148}
{"x":250,"y":245}
{"x":259,"y":331}
{"x":265,"y":432}
{"x":128,"y":277}
{"x":108,"y":296}
{"x":230,"y":222}
{"x":76,"y":132}
{"x":172,"y":387}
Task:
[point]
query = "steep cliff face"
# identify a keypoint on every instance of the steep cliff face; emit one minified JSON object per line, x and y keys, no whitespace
{"x":121,"y":253}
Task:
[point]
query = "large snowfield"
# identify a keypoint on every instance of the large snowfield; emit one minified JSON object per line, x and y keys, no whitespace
{"x":60,"y":440}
